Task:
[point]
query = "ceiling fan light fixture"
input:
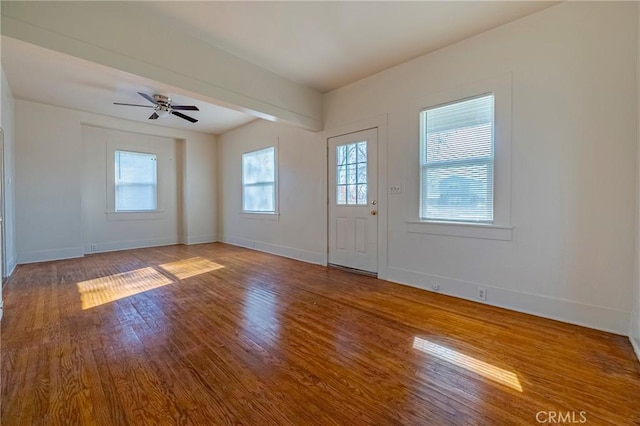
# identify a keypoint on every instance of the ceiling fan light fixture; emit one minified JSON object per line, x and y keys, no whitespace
{"x":162,"y":112}
{"x":162,"y":107}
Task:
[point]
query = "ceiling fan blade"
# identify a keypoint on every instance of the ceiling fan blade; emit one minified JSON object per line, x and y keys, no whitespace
{"x":186,"y":117}
{"x":185,"y":107}
{"x":154,"y":116}
{"x":143,"y":106}
{"x":147,"y":97}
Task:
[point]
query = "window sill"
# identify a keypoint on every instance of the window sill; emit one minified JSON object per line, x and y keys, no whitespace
{"x":274,"y":217}
{"x":146,"y":215}
{"x":467,"y":230}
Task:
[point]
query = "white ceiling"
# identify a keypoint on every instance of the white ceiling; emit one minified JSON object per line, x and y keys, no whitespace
{"x":321,"y":44}
{"x":328,"y":44}
{"x":46,"y":76}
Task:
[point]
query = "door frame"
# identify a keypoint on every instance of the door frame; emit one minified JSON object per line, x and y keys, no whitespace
{"x":4,"y":269}
{"x":379,"y":122}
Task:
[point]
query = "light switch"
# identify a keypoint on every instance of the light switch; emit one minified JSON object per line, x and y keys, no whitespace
{"x":395,"y":189}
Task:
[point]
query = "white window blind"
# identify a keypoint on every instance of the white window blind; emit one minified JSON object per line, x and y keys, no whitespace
{"x":457,"y":156}
{"x":258,"y":181}
{"x":136,"y":186}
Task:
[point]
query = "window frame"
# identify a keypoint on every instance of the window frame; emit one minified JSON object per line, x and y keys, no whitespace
{"x":115,"y":182}
{"x":162,"y":159}
{"x":489,"y":161}
{"x":500,"y":228}
{"x":258,"y":214}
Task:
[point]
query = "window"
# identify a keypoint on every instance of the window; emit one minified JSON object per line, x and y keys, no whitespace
{"x":457,"y":161}
{"x":136,"y":181}
{"x":462,"y":181}
{"x":259,"y":181}
{"x":351,"y":174}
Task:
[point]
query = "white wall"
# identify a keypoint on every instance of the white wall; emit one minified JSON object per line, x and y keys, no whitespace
{"x":49,"y":171}
{"x":574,"y":145}
{"x":102,"y":231}
{"x":7,"y":121}
{"x":200,"y":183}
{"x":297,"y":232}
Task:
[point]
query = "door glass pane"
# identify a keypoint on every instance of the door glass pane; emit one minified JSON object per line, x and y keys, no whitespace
{"x":351,"y":153}
{"x":362,"y":194}
{"x":341,"y":177}
{"x":362,"y":173}
{"x":351,"y":174}
{"x":341,"y":194}
{"x":362,"y":152}
{"x":341,"y":153}
{"x":351,"y":194}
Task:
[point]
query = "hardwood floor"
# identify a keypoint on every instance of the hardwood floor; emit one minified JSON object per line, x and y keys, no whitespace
{"x":225,"y":335}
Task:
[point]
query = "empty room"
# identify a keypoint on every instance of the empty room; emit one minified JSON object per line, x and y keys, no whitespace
{"x":345,"y":213}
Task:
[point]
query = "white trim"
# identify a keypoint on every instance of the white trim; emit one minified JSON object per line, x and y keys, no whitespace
{"x":11,"y":266}
{"x":4,"y":179}
{"x":1,"y":308}
{"x":634,"y":325}
{"x":135,"y":215}
{"x":470,"y":230}
{"x":34,"y":256}
{"x":381,"y":123}
{"x":635,"y":343}
{"x":131,"y":244}
{"x":284,"y":251}
{"x":200,"y":239}
{"x":275,"y":217}
{"x":598,"y":317}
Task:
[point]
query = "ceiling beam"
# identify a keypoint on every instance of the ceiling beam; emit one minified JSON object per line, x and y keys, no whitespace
{"x":118,"y":35}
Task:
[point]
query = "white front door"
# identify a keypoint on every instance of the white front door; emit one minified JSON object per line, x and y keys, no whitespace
{"x":353,"y":198}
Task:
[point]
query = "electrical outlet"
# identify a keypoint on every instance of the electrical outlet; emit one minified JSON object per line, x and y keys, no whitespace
{"x":395,"y":189}
{"x":482,"y":293}
{"x":93,"y":247}
{"x":436,"y":287}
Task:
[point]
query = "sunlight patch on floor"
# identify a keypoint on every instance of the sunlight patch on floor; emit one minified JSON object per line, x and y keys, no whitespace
{"x":103,"y":290}
{"x":489,"y":371}
{"x":187,"y":268}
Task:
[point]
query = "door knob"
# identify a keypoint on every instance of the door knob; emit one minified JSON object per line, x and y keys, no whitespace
{"x":374,"y":202}
{"x":374,"y":212}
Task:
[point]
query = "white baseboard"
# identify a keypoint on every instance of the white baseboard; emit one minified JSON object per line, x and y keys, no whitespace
{"x":600,"y":318}
{"x":635,"y":342}
{"x":132,"y":244}
{"x":11,"y":266}
{"x":47,"y":255}
{"x":200,"y":239}
{"x":284,"y":251}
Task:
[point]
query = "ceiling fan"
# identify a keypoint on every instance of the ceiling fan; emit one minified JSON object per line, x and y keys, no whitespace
{"x":163,"y":107}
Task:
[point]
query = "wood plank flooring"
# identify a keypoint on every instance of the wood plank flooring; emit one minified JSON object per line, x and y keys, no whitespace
{"x":215,"y":334}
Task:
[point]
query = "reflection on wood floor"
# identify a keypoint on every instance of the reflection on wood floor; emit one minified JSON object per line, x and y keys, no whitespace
{"x":216,"y":334}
